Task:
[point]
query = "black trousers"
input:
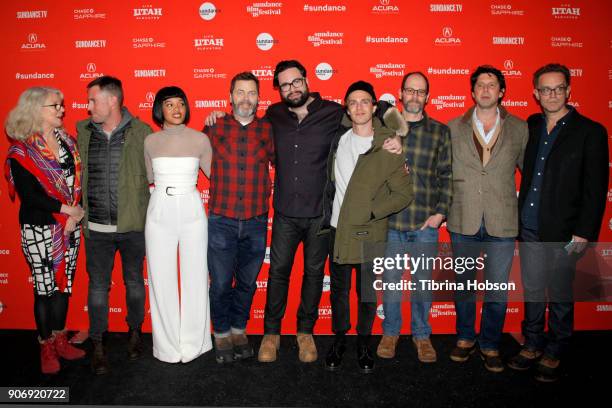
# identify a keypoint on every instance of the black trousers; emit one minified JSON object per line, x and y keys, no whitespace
{"x":341,"y":276}
{"x":287,"y":233}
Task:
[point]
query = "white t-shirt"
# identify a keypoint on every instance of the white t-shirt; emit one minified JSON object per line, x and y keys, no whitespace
{"x":349,"y":149}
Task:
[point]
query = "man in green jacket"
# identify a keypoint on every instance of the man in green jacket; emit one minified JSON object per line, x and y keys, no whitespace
{"x":365,"y":184}
{"x":115,"y":199}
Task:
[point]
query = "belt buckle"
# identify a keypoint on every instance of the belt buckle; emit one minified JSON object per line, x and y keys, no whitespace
{"x":167,"y":193}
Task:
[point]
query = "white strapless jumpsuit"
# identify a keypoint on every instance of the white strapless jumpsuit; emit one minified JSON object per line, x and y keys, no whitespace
{"x":180,"y":312}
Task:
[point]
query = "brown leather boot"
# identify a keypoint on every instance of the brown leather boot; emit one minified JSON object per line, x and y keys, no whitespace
{"x":268,"y":348}
{"x":386,"y":347}
{"x":99,"y":361}
{"x":134,"y":344}
{"x":308,"y":349}
{"x":425,"y":350}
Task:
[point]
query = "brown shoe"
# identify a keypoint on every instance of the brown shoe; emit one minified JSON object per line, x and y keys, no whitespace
{"x":242,"y":348}
{"x":492,"y":360}
{"x":462,"y":351}
{"x":547,"y":369}
{"x":99,"y":361}
{"x":386,"y":347}
{"x":308,"y":350}
{"x":268,"y":348}
{"x":425,"y":351}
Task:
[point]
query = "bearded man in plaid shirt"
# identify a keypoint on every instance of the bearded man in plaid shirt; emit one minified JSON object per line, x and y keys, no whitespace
{"x":414,"y":230}
{"x":240,"y":188}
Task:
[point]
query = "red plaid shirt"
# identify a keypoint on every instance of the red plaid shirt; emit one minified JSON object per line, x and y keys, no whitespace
{"x":240,"y":181}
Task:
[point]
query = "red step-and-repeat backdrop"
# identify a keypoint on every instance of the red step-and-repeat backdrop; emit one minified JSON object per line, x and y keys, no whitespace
{"x":199,"y":46}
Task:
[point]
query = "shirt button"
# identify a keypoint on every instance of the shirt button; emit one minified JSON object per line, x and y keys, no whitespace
{"x":542,"y":158}
{"x":295,"y":146}
{"x":535,"y":189}
{"x":531,"y":204}
{"x":539,"y":174}
{"x":295,"y":162}
{"x":545,"y":142}
{"x":295,"y":178}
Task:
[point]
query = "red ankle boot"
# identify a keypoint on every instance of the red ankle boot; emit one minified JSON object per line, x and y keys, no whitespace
{"x":49,"y":364}
{"x":66,"y":350}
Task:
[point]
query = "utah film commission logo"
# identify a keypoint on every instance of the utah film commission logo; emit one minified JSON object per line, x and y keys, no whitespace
{"x":326,"y":283}
{"x":265,"y":41}
{"x":380,"y":312}
{"x":324,"y":71}
{"x":387,"y":97}
{"x":208,"y":11}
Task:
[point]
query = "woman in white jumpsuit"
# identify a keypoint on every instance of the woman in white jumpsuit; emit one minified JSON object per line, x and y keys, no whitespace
{"x":180,"y":313}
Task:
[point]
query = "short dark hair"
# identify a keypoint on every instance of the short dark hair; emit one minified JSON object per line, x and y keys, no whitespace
{"x":167,"y":93}
{"x":488,"y":69}
{"x":244,"y":76}
{"x":109,"y":84}
{"x":552,"y":67}
{"x":285,"y":65}
{"x":416,"y":73}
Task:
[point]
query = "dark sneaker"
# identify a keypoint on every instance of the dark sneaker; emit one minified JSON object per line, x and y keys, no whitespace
{"x":547,"y":369}
{"x":99,"y":361}
{"x":524,"y":360}
{"x":242,"y":348}
{"x":224,"y":350}
{"x":492,"y":360}
{"x":462,"y":351}
{"x":134,"y":344}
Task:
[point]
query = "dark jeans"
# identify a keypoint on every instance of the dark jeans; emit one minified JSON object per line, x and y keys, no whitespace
{"x":236,"y":250}
{"x":546,"y":268}
{"x":100,"y":249}
{"x":498,"y":261}
{"x":287,"y":233}
{"x":340,"y":282}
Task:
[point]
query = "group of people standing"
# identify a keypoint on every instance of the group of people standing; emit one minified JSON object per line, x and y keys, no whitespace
{"x":348,"y":179}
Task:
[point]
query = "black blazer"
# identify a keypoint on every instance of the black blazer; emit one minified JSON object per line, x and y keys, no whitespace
{"x":575,"y":184}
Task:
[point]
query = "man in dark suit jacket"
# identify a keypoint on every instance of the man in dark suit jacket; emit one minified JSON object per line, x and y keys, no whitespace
{"x":561,"y":204}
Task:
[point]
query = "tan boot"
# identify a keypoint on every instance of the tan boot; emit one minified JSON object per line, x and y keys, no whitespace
{"x":268,"y":348}
{"x":308,"y":350}
{"x":386,"y":347}
{"x":425,"y":351}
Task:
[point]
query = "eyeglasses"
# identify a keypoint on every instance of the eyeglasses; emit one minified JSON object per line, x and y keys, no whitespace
{"x":296,"y":83}
{"x":58,"y":106}
{"x":560,"y":90}
{"x":419,"y":92}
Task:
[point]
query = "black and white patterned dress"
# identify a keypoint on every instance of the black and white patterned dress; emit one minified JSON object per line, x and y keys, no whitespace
{"x":36,"y":240}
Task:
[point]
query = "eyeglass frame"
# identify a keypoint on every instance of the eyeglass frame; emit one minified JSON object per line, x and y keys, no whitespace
{"x":418,"y":92}
{"x":288,"y":85}
{"x":559,"y":90}
{"x":58,"y":106}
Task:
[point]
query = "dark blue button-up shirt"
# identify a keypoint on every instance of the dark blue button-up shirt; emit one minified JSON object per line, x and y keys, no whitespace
{"x":531,"y":208}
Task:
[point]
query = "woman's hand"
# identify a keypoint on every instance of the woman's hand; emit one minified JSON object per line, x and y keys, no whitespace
{"x":71,"y":226}
{"x":73,"y":211}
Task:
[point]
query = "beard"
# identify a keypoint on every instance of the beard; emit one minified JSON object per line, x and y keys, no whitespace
{"x":296,"y":103}
{"x":413,"y":107}
{"x":244,"y":109}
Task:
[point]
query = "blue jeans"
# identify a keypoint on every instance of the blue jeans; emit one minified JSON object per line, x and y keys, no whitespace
{"x":236,"y":250}
{"x":415,"y":243}
{"x":497,"y":263}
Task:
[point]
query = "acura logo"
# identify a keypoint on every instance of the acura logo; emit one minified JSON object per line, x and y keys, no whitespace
{"x":384,"y":2}
{"x":447,"y":32}
{"x":91,"y":67}
{"x":150,"y":96}
{"x":508,"y":64}
{"x":32,"y":38}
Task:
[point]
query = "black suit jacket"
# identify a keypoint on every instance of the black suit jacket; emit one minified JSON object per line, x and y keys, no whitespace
{"x":575,"y":184}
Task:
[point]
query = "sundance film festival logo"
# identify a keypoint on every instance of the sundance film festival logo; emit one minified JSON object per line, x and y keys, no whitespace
{"x":510,"y":70}
{"x":448,"y":71}
{"x":90,"y":44}
{"x":91,"y":72}
{"x":147,"y":104}
{"x":88,"y":14}
{"x":387,"y":97}
{"x":565,"y":42}
{"x":31,"y":14}
{"x":448,"y":102}
{"x":208,"y":11}
{"x":265,"y":41}
{"x":385,"y":7}
{"x":265,"y":8}
{"x":33,"y":43}
{"x":447,"y":38}
{"x":210,"y":103}
{"x":439,"y":310}
{"x":508,"y":40}
{"x":370,"y":39}
{"x":565,"y":11}
{"x":324,"y":71}
{"x":150,"y":73}
{"x":325,"y":8}
{"x":208,"y":73}
{"x":147,"y":42}
{"x":387,"y":70}
{"x":505,"y":10}
{"x":208,"y":43}
{"x":264,"y":73}
{"x":446,"y":8}
{"x":325,"y":38}
{"x":148,"y":12}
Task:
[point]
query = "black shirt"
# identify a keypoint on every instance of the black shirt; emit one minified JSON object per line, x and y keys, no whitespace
{"x":301,"y":155}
